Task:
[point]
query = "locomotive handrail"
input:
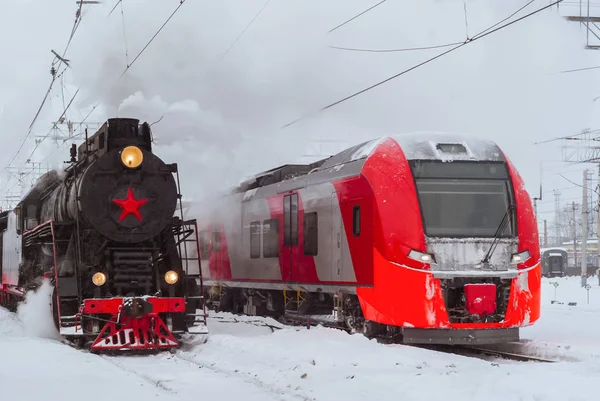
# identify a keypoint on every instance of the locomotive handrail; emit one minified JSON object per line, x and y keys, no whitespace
{"x":39,"y":226}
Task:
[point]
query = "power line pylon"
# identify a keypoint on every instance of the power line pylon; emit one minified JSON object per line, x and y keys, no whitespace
{"x":590,"y":22}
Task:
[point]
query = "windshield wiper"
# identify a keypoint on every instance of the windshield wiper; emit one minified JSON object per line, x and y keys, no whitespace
{"x":505,"y":221}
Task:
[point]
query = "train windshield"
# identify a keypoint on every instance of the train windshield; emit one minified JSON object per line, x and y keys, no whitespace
{"x":464,"y":199}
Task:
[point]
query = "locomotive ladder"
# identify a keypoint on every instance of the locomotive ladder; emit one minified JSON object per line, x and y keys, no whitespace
{"x":188,"y":243}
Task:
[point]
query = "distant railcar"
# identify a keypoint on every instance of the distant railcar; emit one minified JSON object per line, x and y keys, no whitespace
{"x":554,"y":262}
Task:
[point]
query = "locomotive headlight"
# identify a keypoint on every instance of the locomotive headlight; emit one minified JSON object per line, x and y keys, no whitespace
{"x":520,"y":257}
{"x":421,"y":256}
{"x":99,"y":279}
{"x":132,"y":156}
{"x":171,"y":277}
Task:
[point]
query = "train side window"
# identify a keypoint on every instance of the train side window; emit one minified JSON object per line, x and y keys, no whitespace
{"x":271,"y":238}
{"x":356,"y":220}
{"x":311,"y":234}
{"x":101,"y":140}
{"x":204,"y":244}
{"x":255,"y":239}
{"x":216,"y":241}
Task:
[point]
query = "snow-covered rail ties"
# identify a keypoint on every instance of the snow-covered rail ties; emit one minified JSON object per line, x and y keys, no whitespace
{"x":182,"y":373}
{"x":486,"y":352}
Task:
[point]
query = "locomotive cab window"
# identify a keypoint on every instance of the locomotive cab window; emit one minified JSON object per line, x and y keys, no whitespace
{"x":19,"y":218}
{"x":255,"y":239}
{"x":356,"y":220}
{"x":30,"y":219}
{"x":271,"y":238}
{"x":311,"y":234}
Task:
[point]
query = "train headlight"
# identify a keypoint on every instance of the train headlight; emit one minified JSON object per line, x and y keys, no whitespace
{"x":520,"y":257}
{"x":421,"y":256}
{"x":132,"y":156}
{"x":171,"y":277}
{"x":99,"y":279}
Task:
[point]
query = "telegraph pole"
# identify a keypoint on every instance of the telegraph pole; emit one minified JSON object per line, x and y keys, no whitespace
{"x":545,"y":234}
{"x":584,"y":229}
{"x":598,"y":225}
{"x":557,"y":232}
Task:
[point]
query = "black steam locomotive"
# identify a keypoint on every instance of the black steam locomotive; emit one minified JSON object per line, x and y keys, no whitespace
{"x":124,"y":266}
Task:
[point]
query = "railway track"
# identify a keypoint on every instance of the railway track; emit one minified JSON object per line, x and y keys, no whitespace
{"x":464,"y":350}
{"x":182,"y":375}
{"x":484,"y":353}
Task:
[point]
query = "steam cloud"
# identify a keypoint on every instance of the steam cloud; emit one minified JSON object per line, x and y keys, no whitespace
{"x":221,"y":116}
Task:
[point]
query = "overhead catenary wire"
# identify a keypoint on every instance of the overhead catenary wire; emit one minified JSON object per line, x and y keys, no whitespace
{"x":181,"y":2}
{"x":466,"y":42}
{"x":356,"y":16}
{"x":580,"y":69}
{"x":124,"y":33}
{"x":579,"y":185}
{"x":114,"y":7}
{"x":245,"y":29}
{"x":54,"y":78}
{"x":466,"y":18}
{"x":407,"y":49}
{"x":567,"y":136}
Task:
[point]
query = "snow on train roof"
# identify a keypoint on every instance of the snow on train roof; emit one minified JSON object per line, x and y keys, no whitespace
{"x":430,"y":146}
{"x":426,"y":146}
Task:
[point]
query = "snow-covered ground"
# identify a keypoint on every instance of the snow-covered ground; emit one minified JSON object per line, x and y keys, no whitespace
{"x":246,"y":360}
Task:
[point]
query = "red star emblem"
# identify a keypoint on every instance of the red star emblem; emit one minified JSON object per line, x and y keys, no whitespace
{"x":130,"y":205}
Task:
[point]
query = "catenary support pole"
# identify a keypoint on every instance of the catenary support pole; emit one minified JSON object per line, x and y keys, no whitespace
{"x":584,"y":229}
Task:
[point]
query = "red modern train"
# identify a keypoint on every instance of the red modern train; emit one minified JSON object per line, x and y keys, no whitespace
{"x":430,"y":238}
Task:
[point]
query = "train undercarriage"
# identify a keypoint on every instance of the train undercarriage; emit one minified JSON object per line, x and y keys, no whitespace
{"x":343,"y":311}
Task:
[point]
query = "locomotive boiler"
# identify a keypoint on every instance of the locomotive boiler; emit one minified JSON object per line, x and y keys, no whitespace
{"x":105,"y":233}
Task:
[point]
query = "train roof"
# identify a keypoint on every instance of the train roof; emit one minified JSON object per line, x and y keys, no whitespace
{"x":416,"y":146}
{"x":542,"y":250}
{"x":433,"y":145}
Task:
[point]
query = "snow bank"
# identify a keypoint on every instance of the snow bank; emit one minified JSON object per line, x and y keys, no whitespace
{"x":255,"y":358}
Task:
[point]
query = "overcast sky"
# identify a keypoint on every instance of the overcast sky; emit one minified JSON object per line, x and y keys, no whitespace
{"x":222,"y":115}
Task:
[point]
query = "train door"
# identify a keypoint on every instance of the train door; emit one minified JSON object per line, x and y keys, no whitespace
{"x":336,"y":238}
{"x":290,"y":234}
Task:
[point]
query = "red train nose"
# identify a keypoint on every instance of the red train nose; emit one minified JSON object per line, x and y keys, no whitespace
{"x":480,"y":299}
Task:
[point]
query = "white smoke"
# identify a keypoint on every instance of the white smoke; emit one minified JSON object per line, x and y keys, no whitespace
{"x":35,"y":313}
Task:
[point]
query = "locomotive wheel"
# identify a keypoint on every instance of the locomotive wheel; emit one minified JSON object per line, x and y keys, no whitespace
{"x":372,"y":329}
